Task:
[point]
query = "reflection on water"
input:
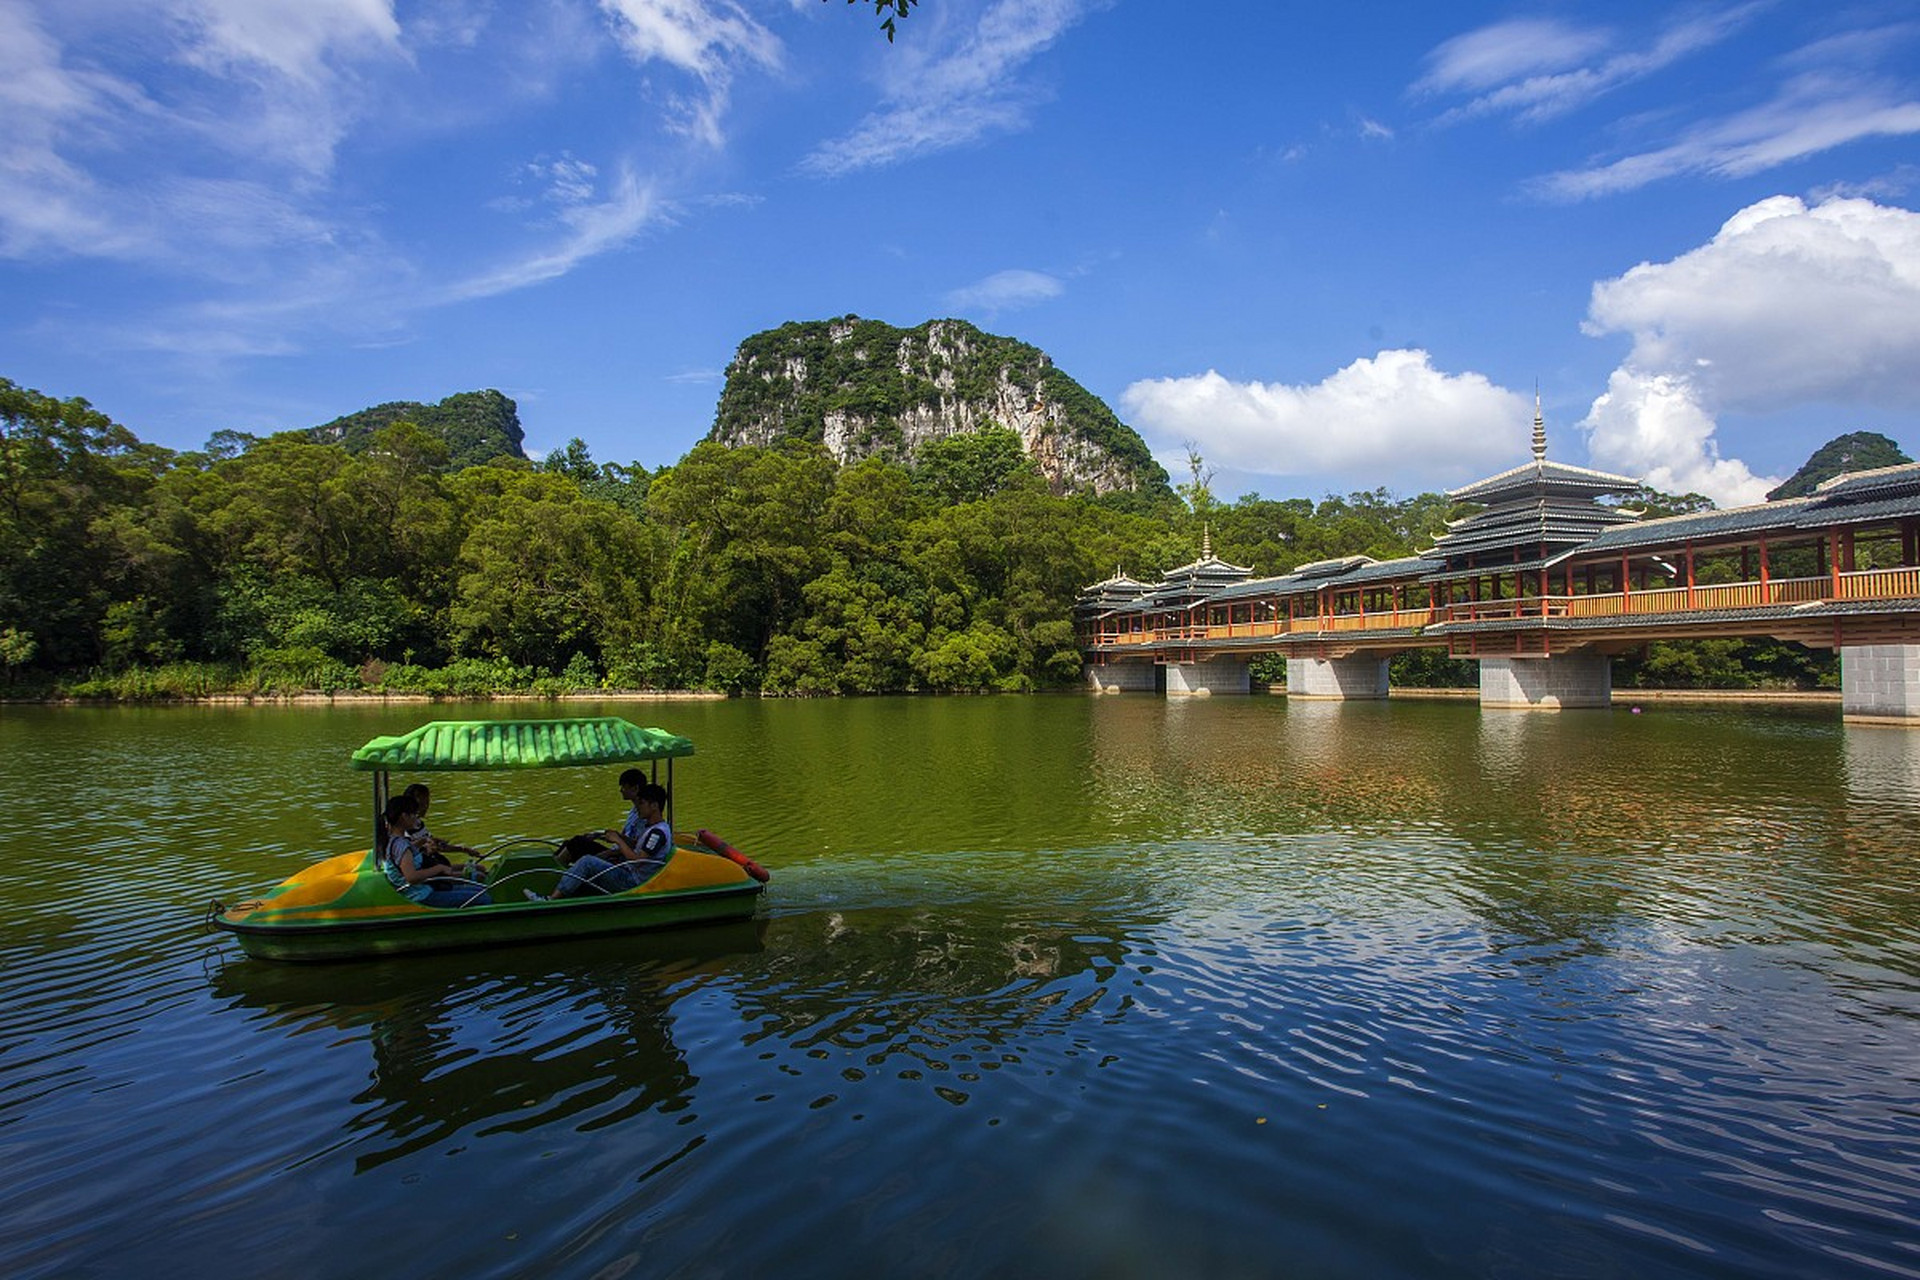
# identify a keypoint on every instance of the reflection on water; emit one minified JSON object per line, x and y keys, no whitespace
{"x":455,"y":1054}
{"x":1042,"y":986}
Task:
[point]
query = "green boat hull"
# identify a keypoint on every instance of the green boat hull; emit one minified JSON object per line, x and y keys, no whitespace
{"x":344,"y":909}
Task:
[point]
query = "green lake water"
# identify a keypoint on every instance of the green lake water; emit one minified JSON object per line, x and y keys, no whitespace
{"x":1046,"y":986}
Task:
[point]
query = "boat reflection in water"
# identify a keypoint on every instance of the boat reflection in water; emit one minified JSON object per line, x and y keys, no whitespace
{"x":461,"y":1051}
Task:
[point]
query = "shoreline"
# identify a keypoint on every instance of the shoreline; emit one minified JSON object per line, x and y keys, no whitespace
{"x":353,"y":697}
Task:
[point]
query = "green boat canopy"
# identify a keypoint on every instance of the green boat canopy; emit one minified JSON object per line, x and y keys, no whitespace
{"x":518,"y":744}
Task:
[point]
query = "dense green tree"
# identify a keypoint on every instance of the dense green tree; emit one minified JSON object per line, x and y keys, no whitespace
{"x":476,"y":426}
{"x":545,"y":573}
{"x":746,"y":531}
{"x":67,"y":472}
{"x":973,"y":465}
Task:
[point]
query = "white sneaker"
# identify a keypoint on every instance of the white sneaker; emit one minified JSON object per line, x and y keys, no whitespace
{"x":535,"y":897}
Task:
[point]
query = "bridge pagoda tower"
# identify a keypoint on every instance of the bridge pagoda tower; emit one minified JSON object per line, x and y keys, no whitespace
{"x":1182,"y":601}
{"x":1492,"y":579}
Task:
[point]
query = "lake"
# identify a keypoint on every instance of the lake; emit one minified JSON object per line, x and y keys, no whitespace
{"x":1056,"y":986}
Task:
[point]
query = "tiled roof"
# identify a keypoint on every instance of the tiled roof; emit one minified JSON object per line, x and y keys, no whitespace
{"x":1541,"y":474}
{"x":1902,"y":477}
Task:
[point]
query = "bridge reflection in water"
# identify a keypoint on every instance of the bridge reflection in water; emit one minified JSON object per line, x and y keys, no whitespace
{"x":1542,"y":587}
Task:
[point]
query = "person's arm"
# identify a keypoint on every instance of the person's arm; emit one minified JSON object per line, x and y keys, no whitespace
{"x":655,"y":844}
{"x":413,"y":873}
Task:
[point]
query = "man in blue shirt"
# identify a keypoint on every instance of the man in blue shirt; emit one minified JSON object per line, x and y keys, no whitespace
{"x":640,"y":846}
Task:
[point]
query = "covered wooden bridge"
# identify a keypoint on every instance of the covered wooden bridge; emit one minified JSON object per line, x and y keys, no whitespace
{"x":1542,"y":586}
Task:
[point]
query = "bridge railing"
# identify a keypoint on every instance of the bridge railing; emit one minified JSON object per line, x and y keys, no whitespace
{"x":1879,"y":584}
{"x":1864,"y":584}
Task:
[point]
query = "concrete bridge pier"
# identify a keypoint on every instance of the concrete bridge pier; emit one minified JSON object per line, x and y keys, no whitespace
{"x":1121,"y":677}
{"x":1203,"y":679}
{"x":1880,"y":683}
{"x":1559,"y":683}
{"x":1347,"y":679}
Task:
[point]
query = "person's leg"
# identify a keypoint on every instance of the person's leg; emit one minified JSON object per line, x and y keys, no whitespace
{"x":456,"y":893}
{"x":588,"y":874}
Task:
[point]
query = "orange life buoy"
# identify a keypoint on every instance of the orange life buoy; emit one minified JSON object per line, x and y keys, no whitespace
{"x":725,"y":850}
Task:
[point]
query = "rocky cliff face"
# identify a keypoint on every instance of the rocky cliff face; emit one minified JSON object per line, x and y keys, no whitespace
{"x":863,"y":388}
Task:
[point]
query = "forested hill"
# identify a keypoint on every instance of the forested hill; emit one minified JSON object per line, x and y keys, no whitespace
{"x":1855,"y":451}
{"x":478,"y":426}
{"x":867,"y":389}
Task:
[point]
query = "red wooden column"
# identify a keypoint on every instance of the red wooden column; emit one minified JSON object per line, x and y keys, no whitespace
{"x":1689,"y":573}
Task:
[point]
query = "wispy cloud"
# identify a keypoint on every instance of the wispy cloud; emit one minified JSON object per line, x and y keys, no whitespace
{"x":1006,"y":291}
{"x":285,"y":72}
{"x":709,"y":40}
{"x":201,"y":138}
{"x":1537,"y":68}
{"x":1822,"y":95}
{"x":934,"y":102}
{"x":589,"y":229}
{"x":1815,"y":112}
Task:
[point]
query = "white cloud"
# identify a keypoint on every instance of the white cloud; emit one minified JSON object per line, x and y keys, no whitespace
{"x":1392,"y":416}
{"x":589,"y":230}
{"x":201,"y":138}
{"x":933,"y":103}
{"x":1535,"y":68}
{"x":1508,"y":52}
{"x":707,"y":39}
{"x":1813,"y":113}
{"x":1654,"y":426}
{"x":1786,"y":306}
{"x":48,"y":204}
{"x":288,"y":65}
{"x":1006,"y":291}
{"x":1815,"y":98}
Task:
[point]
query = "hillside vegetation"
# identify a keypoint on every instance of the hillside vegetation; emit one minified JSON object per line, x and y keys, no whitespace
{"x":378,"y":562}
{"x":864,"y":389}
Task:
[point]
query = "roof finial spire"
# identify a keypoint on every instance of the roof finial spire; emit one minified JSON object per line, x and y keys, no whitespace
{"x":1539,"y":427}
{"x":1206,"y":541}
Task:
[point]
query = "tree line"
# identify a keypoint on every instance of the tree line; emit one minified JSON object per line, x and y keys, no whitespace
{"x":287,"y":563}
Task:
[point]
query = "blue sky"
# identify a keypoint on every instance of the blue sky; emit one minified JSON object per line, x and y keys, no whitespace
{"x":1328,"y":246}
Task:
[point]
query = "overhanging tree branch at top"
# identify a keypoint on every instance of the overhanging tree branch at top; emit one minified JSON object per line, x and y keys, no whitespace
{"x":894,"y":9}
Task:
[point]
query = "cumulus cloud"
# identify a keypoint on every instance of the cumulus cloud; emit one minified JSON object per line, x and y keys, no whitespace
{"x":1655,"y":426}
{"x":934,"y":102}
{"x":1788,"y":305}
{"x":1392,"y":416}
{"x":1006,"y":291}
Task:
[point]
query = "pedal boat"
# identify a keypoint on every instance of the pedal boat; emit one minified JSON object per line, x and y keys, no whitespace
{"x":345,"y":908}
